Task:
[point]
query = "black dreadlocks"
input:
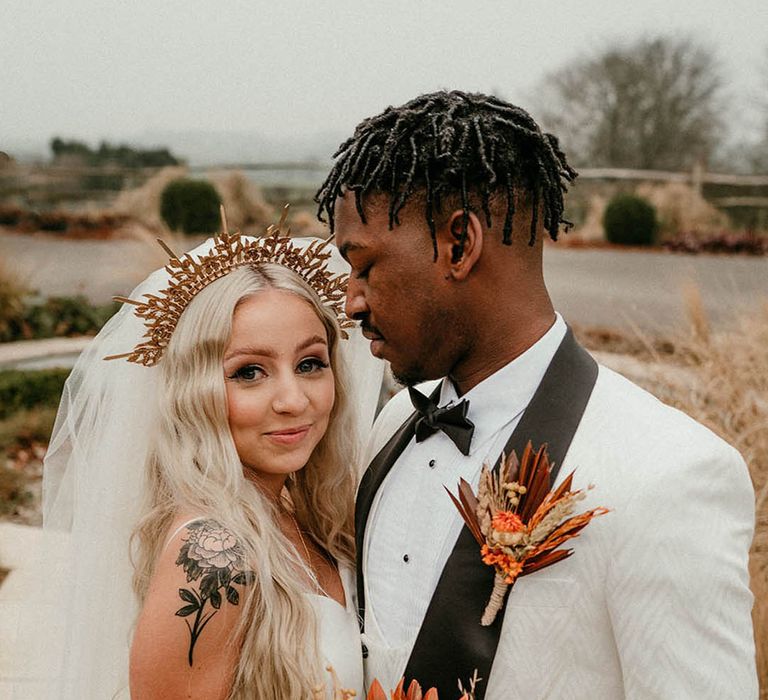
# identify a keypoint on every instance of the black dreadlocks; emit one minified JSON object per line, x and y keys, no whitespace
{"x":447,"y":144}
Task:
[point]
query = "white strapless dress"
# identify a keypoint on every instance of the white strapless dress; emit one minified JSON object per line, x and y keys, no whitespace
{"x":339,"y":636}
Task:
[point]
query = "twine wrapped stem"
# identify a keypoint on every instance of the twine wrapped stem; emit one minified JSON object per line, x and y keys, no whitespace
{"x":500,"y":587}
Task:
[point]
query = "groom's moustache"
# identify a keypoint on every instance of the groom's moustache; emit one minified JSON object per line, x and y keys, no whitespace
{"x":369,"y":329}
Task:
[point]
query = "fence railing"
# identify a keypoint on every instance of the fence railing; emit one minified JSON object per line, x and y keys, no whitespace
{"x":693,"y":176}
{"x":721,"y":189}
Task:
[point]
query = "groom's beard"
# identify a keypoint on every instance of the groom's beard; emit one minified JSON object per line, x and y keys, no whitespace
{"x":437,"y":353}
{"x":407,"y":376}
{"x":410,"y":376}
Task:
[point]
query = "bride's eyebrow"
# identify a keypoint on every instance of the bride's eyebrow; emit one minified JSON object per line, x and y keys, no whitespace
{"x":268,"y":352}
{"x":313,"y":340}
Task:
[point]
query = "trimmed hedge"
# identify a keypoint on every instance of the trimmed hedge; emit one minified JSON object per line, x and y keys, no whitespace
{"x":630,"y":220}
{"x":191,"y":206}
{"x":21,"y":390}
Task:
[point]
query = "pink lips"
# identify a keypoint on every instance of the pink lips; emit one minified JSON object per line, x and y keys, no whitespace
{"x":289,"y":436}
{"x":376,"y":347}
{"x":376,"y":342}
{"x":371,"y":335}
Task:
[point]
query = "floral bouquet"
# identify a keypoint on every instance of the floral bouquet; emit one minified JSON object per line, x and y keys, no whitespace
{"x":414,"y":692}
{"x":376,"y":692}
{"x":518,"y":521}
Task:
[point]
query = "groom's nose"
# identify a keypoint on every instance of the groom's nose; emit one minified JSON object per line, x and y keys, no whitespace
{"x":356,"y":306}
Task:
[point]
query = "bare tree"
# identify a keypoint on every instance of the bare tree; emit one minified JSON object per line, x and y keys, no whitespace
{"x":651,"y":104}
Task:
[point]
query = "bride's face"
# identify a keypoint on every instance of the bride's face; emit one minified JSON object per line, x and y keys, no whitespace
{"x":280,"y":385}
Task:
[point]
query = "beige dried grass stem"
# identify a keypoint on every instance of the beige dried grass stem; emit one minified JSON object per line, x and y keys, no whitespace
{"x":697,"y":315}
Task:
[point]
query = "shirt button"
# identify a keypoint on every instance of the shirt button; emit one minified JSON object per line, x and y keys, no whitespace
{"x":405,"y":558}
{"x":432,"y":463}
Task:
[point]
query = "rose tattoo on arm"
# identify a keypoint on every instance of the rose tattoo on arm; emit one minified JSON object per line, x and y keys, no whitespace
{"x":211,"y":555}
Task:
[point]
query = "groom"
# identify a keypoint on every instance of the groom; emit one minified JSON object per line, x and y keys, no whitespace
{"x":441,"y":207}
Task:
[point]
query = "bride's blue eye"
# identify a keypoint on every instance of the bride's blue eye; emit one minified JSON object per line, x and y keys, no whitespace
{"x":311,"y":364}
{"x":248,"y":373}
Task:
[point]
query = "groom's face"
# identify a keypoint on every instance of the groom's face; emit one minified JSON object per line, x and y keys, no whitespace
{"x":396,"y":290}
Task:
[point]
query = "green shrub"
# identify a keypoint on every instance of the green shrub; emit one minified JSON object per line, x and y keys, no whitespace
{"x":52,"y":317}
{"x":10,"y":216}
{"x":191,"y":206}
{"x":64,"y":316}
{"x":25,"y":430}
{"x":630,"y":220}
{"x":53,"y":221}
{"x":23,"y":390}
{"x":26,"y":427}
{"x":13,"y":493}
{"x":12,"y":294}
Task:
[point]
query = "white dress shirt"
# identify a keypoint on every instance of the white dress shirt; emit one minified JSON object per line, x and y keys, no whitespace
{"x":413,"y":524}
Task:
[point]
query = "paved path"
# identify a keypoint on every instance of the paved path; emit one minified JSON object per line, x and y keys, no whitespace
{"x":590,"y":287}
{"x":36,"y":354}
{"x":647,"y":290}
{"x":95,"y":269}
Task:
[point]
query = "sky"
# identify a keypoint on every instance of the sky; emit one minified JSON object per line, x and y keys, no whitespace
{"x":287,"y":70}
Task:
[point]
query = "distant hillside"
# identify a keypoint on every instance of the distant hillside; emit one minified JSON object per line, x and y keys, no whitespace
{"x":208,"y":148}
{"x":80,"y":153}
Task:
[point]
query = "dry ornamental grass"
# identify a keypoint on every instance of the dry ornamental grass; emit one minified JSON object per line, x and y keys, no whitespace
{"x":721,"y":380}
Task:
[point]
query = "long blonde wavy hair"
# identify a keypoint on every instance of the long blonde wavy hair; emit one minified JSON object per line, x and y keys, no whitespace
{"x":193,"y":467}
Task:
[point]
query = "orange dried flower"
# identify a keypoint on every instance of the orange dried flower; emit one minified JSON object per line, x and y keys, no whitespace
{"x":509,"y":565}
{"x":414,"y":692}
{"x":506,"y":521}
{"x":376,"y":692}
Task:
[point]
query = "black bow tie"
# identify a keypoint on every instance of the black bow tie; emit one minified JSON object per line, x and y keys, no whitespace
{"x":452,"y":420}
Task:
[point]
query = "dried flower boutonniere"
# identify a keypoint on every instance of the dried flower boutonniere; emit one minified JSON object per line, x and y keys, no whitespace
{"x":518,"y":521}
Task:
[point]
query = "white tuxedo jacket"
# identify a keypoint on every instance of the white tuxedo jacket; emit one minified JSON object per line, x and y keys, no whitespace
{"x":655,"y":601}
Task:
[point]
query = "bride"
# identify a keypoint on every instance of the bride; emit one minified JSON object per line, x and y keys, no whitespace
{"x":222,"y":454}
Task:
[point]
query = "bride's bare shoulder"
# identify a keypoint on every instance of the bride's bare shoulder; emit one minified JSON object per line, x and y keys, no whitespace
{"x":184,"y":639}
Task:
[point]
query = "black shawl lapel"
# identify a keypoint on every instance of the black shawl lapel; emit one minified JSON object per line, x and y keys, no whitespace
{"x":369,"y":485}
{"x":451,"y":643}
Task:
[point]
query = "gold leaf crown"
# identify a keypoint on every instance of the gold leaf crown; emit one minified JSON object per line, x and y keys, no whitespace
{"x":189,"y":276}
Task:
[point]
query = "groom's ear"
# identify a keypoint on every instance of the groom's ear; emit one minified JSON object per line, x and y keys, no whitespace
{"x":457,"y":255}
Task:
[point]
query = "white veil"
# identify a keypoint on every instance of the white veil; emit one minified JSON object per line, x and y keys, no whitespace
{"x":92,"y":488}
